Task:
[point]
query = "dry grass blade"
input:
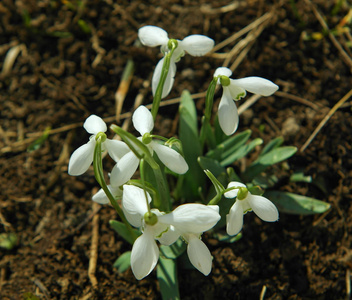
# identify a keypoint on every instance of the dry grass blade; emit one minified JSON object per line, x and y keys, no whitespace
{"x":336,"y":43}
{"x":11,"y":58}
{"x":243,"y":31}
{"x":208,"y":10}
{"x":326,"y":119}
{"x":94,"y":248}
{"x":124,"y":85}
{"x":298,"y":99}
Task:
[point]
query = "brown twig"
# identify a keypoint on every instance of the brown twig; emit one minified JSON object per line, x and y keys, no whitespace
{"x":326,"y":119}
{"x":94,"y":248}
{"x":299,"y":99}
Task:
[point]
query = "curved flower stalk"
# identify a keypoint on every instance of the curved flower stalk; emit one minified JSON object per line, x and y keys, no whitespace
{"x":82,"y":157}
{"x":187,"y":220}
{"x":246,"y":202}
{"x":235,"y":89}
{"x":143,"y":122}
{"x":195,"y":45}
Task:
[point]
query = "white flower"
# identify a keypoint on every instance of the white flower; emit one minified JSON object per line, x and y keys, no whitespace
{"x":82,"y":157}
{"x":261,"y":206}
{"x":187,"y":220}
{"x":190,"y":221}
{"x":227,"y":112}
{"x":145,"y":252}
{"x":195,"y":45}
{"x":143,"y":122}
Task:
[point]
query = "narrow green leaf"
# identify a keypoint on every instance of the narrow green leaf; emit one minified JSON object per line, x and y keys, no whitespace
{"x":223,"y":237}
{"x":123,"y":262}
{"x":274,"y":156}
{"x":296,"y":204}
{"x":166,"y":273}
{"x":241,"y":152}
{"x":300,"y":177}
{"x":39,"y":141}
{"x":212,"y":165}
{"x":173,"y":251}
{"x":188,"y":133}
{"x":274,"y":143}
{"x":265,"y":181}
{"x":122,"y":230}
{"x":230,"y":145}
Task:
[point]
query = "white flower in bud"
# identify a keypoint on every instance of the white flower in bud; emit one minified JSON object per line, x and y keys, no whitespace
{"x":237,"y":89}
{"x":82,"y":157}
{"x":261,"y":206}
{"x":195,"y":45}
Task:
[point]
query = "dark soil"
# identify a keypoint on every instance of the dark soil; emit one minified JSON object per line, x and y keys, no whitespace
{"x":68,"y":69}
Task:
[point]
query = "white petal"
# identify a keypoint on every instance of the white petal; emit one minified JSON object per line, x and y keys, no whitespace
{"x":234,"y":219}
{"x":94,"y":124}
{"x":124,"y":169}
{"x":199,"y":255}
{"x":233,"y":193}
{"x":81,"y":159}
{"x":144,"y":255}
{"x":134,"y":201}
{"x":169,"y":82}
{"x":142,"y":120}
{"x":223,"y":71}
{"x":169,"y":237}
{"x":170,"y":158}
{"x":197,"y":45}
{"x":236,"y":91}
{"x":116,"y":149}
{"x":152,"y":36}
{"x":256,"y":85}
{"x":192,"y":218}
{"x":101,"y":198}
{"x":263,"y":208}
{"x":227,"y":113}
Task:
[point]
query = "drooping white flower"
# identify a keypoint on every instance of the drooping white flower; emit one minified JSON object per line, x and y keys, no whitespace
{"x":143,"y":122}
{"x":145,"y":252}
{"x":235,"y":90}
{"x":195,"y":45}
{"x":101,"y":198}
{"x":190,"y":221}
{"x":82,"y":157}
{"x":261,"y":206}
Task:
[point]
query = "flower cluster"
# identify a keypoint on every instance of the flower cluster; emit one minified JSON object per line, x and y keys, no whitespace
{"x":138,"y":208}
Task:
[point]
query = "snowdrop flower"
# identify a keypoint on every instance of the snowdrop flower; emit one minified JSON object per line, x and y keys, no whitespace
{"x":143,"y":122}
{"x":190,"y":221}
{"x":235,"y":89}
{"x":187,"y":220}
{"x":82,"y":157}
{"x":246,"y":202}
{"x":195,"y":45}
{"x":145,"y":252}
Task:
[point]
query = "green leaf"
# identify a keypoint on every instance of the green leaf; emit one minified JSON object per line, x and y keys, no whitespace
{"x":224,"y":237}
{"x":230,"y":145}
{"x":274,"y":156}
{"x":265,"y":181}
{"x":188,"y":133}
{"x":296,"y":204}
{"x":212,"y":165}
{"x":8,"y":240}
{"x":173,"y":251}
{"x":39,"y":141}
{"x":273,"y":144}
{"x":300,"y":177}
{"x":166,"y":273}
{"x":241,"y":152}
{"x":123,"y":262}
{"x":122,"y":230}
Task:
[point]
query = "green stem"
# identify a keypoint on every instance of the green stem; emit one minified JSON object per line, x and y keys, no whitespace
{"x":98,"y":172}
{"x":163,"y":76}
